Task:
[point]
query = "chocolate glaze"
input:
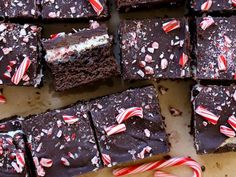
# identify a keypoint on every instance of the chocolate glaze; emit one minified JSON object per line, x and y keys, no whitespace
{"x":127,"y":145}
{"x":210,"y":44}
{"x":72,"y":9}
{"x":220,"y":100}
{"x":138,"y":35}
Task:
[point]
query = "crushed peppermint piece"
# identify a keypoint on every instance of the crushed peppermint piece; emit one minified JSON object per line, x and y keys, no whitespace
{"x":171,"y":25}
{"x":65,"y":162}
{"x":206,"y":5}
{"x":70,"y":119}
{"x":45,"y":162}
{"x":114,"y":129}
{"x":209,"y":116}
{"x":106,"y":159}
{"x":97,"y":6}
{"x":183,"y":60}
{"x":232,"y":122}
{"x":207,"y":22}
{"x":222,"y":63}
{"x":145,"y":150}
{"x":227,"y":131}
{"x":128,"y":113}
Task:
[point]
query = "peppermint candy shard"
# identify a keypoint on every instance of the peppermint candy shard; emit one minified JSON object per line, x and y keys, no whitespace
{"x":171,"y":25}
{"x":209,"y":116}
{"x":70,"y":119}
{"x":130,"y":112}
{"x":234,"y":3}
{"x":97,"y":6}
{"x":106,"y":159}
{"x":229,"y":132}
{"x":20,"y":159}
{"x":183,"y":60}
{"x":114,"y":129}
{"x":222,"y":63}
{"x":207,"y":22}
{"x":206,"y":5}
{"x":46,"y":162}
{"x":65,"y":162}
{"x":232,"y":122}
{"x":24,"y":66}
{"x":3,"y":99}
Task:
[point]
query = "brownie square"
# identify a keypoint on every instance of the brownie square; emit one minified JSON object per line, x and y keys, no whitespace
{"x":80,"y":58}
{"x":139,"y":137}
{"x":62,"y":142}
{"x":19,"y":55}
{"x":73,"y":9}
{"x":213,"y":6}
{"x":214,"y":107}
{"x":127,"y":4}
{"x":27,"y":9}
{"x":155,"y":49}
{"x":215,"y":50}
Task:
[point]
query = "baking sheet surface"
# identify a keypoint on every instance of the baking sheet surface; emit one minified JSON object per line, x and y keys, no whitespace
{"x":26,"y":101}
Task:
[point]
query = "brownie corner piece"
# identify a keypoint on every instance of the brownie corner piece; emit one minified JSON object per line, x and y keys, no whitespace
{"x":155,"y":48}
{"x":20,"y":9}
{"x":73,"y":9}
{"x":214,"y":118}
{"x":20,"y":62}
{"x":81,"y":58}
{"x":213,"y":6}
{"x":62,"y":142}
{"x":214,"y":48}
{"x":129,"y":126}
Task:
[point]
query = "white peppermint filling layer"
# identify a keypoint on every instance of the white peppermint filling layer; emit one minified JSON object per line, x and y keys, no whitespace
{"x":58,"y":54}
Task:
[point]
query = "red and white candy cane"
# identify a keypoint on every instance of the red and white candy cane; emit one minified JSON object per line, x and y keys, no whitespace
{"x":163,"y":174}
{"x":209,"y":116}
{"x":114,"y":129}
{"x":232,"y":122}
{"x":171,"y":25}
{"x":181,"y":161}
{"x":130,"y":112}
{"x":227,"y":131}
{"x":206,"y":5}
{"x":24,"y":66}
{"x":97,"y":6}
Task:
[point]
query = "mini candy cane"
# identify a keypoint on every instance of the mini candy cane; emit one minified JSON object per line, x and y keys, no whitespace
{"x":130,"y":112}
{"x":209,"y":116}
{"x":197,"y":172}
{"x":24,"y":66}
{"x":97,"y":6}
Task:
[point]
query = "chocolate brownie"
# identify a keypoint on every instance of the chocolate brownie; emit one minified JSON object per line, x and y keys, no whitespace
{"x":214,"y":115}
{"x":129,"y":126}
{"x":127,"y":4}
{"x":155,"y":49}
{"x":19,"y":55}
{"x":62,"y":142}
{"x":215,"y":50}
{"x":19,"y":9}
{"x":80,"y":58}
{"x":72,"y":9}
{"x":213,"y":5}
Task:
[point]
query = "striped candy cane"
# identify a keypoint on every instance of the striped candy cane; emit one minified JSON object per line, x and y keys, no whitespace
{"x":130,"y":112}
{"x":97,"y":6}
{"x":182,"y":161}
{"x":24,"y":66}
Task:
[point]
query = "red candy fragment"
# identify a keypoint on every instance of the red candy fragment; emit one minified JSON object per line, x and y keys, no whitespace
{"x":130,"y":112}
{"x":114,"y":129}
{"x":171,"y":25}
{"x":106,"y":159}
{"x":207,"y":22}
{"x":70,"y":119}
{"x":65,"y":162}
{"x":97,"y":6}
{"x":234,"y":3}
{"x":24,"y":66}
{"x":206,"y":5}
{"x":209,"y":116}
{"x":46,"y":162}
{"x":183,"y":60}
{"x":222,"y":63}
{"x":232,"y":122}
{"x":20,"y":159}
{"x":3,"y":100}
{"x":227,"y":131}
